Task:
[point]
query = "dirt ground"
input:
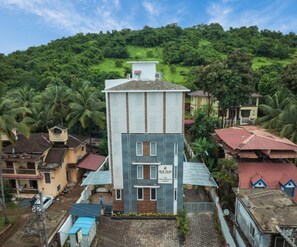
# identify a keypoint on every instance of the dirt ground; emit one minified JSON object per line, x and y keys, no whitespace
{"x":24,"y":231}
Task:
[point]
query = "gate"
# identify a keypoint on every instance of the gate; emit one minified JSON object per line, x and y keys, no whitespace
{"x":199,"y":207}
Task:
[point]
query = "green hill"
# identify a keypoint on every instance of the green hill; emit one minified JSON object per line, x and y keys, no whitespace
{"x":99,"y":56}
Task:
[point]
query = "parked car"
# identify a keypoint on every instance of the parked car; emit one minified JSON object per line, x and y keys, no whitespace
{"x":47,"y":201}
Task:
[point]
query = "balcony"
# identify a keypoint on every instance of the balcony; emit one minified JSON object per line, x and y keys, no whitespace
{"x":29,"y":191}
{"x":26,"y":171}
{"x":8,"y":171}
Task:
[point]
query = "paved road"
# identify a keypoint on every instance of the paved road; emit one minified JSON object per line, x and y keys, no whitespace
{"x":203,"y":231}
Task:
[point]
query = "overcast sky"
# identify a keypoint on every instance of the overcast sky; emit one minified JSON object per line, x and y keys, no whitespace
{"x":25,"y":23}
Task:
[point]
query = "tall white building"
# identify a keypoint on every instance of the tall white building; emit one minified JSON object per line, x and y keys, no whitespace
{"x":146,"y":140}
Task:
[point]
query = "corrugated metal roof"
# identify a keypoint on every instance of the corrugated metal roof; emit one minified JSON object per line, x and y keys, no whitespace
{"x":85,"y":210}
{"x":98,"y":178}
{"x":84,"y":223}
{"x":198,"y":174}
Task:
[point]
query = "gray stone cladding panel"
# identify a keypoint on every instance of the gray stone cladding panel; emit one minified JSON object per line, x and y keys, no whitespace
{"x":165,"y":155}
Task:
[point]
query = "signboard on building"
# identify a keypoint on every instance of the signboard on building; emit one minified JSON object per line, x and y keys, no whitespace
{"x":165,"y":174}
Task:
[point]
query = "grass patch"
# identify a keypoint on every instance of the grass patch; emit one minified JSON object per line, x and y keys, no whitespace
{"x":12,"y":219}
{"x":257,"y":62}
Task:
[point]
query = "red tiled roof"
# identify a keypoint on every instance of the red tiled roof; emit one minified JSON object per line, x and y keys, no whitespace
{"x":92,"y":162}
{"x":271,"y":173}
{"x":248,"y":154}
{"x":253,"y":138}
{"x":256,"y":178}
{"x":284,"y":179}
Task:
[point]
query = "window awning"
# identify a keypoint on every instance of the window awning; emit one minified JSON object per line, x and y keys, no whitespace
{"x":98,"y":178}
{"x":198,"y":174}
{"x":248,"y":154}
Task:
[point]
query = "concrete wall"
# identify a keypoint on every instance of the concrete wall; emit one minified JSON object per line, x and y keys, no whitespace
{"x":64,"y":230}
{"x":148,"y":71}
{"x":244,"y":221}
{"x":155,"y":112}
{"x":174,"y":110}
{"x":118,"y":125}
{"x":136,"y":113}
{"x":165,"y":155}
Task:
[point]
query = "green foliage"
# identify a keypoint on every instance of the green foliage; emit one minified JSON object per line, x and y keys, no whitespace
{"x":204,"y":125}
{"x":206,"y":151}
{"x":226,"y":176}
{"x":182,"y":222}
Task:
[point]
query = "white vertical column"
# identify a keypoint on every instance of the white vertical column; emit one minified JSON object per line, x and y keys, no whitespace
{"x":175,"y":179}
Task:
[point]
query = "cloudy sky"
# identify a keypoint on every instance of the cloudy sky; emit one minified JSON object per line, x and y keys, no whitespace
{"x":25,"y":23}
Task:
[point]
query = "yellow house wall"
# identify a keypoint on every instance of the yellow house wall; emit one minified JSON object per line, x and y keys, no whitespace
{"x":201,"y":101}
{"x":253,"y":111}
{"x":57,"y":177}
{"x":74,"y":154}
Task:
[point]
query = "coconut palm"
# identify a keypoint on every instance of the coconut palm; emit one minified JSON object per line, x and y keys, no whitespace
{"x":86,"y":108}
{"x":288,"y":119}
{"x":273,"y":107}
{"x":57,"y":100}
{"x":8,"y":123}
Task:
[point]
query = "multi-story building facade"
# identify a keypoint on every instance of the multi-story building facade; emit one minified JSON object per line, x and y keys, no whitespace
{"x":45,"y":162}
{"x":145,"y":137}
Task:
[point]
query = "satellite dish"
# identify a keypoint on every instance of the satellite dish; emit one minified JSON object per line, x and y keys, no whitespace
{"x":226,"y":212}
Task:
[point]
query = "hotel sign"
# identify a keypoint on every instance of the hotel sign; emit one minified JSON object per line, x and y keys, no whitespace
{"x":165,"y":174}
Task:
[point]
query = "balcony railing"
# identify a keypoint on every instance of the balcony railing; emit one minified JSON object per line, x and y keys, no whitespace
{"x":25,"y":171}
{"x":29,"y":191}
{"x":8,"y":171}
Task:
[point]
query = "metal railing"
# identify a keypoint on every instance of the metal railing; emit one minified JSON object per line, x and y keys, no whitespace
{"x":26,"y":171}
{"x":8,"y":170}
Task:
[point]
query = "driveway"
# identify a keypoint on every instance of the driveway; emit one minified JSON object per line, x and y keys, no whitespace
{"x":203,"y":231}
{"x":135,"y":233}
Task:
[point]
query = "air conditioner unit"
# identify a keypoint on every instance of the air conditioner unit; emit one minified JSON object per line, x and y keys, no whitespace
{"x":158,"y":76}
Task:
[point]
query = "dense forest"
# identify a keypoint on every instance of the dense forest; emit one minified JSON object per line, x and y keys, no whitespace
{"x":61,"y":82}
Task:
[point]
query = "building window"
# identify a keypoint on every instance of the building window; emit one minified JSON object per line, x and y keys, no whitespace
{"x":153,"y":148}
{"x":252,"y":231}
{"x":245,"y":113}
{"x":118,"y":195}
{"x":9,"y":164}
{"x":58,"y":187}
{"x":153,"y":194}
{"x":47,"y":178}
{"x":139,"y":149}
{"x":139,"y":172}
{"x":175,"y":172}
{"x":154,"y":172}
{"x":82,"y":147}
{"x":176,"y":148}
{"x":139,"y":194}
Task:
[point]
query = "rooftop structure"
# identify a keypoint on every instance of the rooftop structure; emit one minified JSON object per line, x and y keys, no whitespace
{"x":255,"y":142}
{"x":268,"y":208}
{"x":268,"y":175}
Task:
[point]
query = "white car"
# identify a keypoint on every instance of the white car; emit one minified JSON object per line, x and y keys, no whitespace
{"x":47,"y":201}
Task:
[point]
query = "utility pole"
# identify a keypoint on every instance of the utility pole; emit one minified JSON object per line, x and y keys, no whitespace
{"x":6,"y":220}
{"x":42,"y":218}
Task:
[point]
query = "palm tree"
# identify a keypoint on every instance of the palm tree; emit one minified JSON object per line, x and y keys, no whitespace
{"x":227,"y":178}
{"x":86,"y":108}
{"x":288,"y":119}
{"x":57,"y":100}
{"x":8,"y":123}
{"x":273,"y":107}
